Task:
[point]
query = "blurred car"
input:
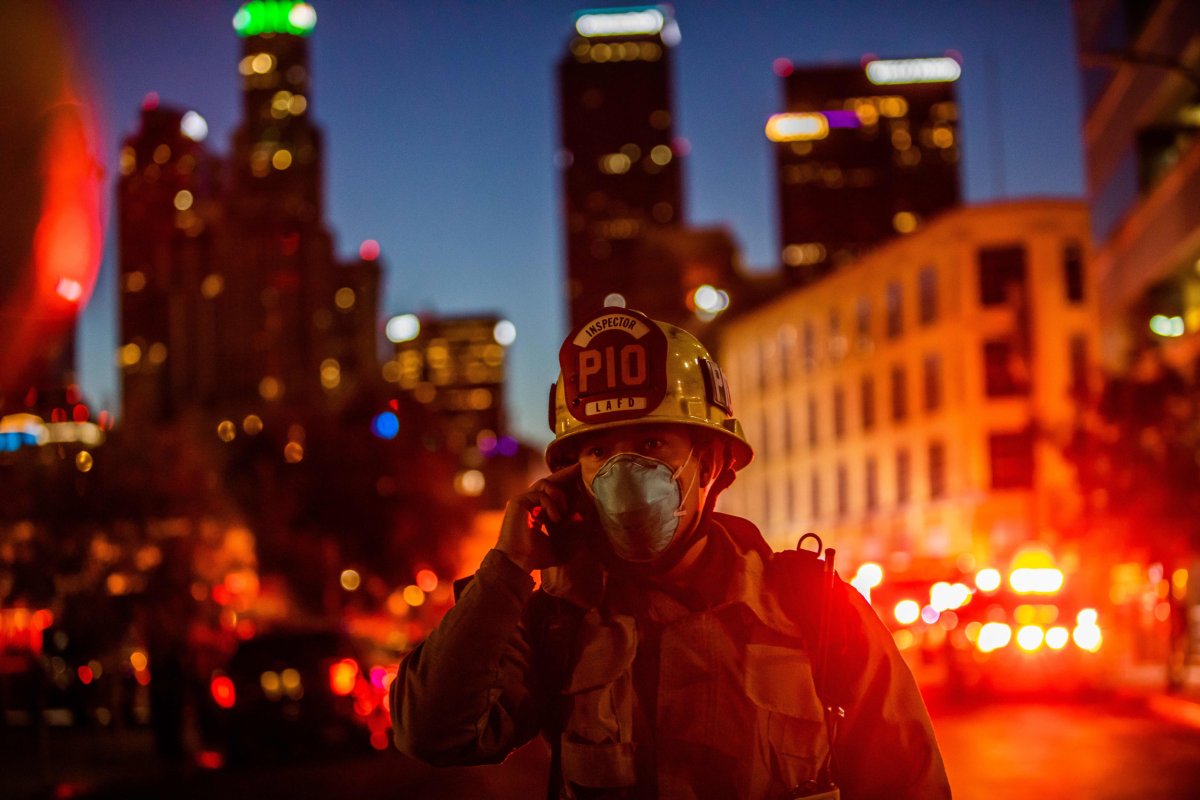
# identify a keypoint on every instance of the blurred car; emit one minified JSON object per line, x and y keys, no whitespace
{"x":293,"y":694}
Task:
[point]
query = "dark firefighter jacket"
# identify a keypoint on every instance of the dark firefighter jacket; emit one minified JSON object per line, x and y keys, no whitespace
{"x":641,"y":694}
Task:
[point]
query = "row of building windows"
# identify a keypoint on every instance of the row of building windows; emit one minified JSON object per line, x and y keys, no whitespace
{"x":1002,"y":280}
{"x":1010,"y":458}
{"x":1006,"y":374}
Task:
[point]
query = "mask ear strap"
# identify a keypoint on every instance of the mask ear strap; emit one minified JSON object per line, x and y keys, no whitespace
{"x":679,"y":512}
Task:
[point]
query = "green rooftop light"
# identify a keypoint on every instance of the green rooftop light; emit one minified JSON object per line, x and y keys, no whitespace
{"x":260,"y":17}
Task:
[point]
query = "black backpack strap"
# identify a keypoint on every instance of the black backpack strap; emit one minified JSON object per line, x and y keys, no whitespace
{"x":815,"y":599}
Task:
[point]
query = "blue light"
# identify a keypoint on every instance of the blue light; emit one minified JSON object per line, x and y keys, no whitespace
{"x":385,"y":425}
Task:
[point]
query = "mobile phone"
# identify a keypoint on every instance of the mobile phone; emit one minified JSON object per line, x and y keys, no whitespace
{"x":570,"y":533}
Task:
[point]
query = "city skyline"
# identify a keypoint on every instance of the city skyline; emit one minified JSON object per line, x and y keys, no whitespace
{"x":413,"y":170}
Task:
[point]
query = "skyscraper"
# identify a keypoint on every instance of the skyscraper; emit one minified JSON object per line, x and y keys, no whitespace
{"x":622,"y":174}
{"x":283,"y":288}
{"x":863,"y":153}
{"x":233,"y":300}
{"x":166,"y":198}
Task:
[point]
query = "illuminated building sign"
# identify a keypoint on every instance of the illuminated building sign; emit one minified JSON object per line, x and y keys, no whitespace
{"x":913,"y":70}
{"x":260,"y":17}
{"x":797,"y":127}
{"x":28,"y":430}
{"x":621,"y":22}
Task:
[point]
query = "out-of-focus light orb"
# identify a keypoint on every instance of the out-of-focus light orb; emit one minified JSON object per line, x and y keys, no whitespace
{"x":138,"y":660}
{"x":69,"y":290}
{"x":1057,"y":637}
{"x":262,"y":63}
{"x":427,"y":580}
{"x":930,"y":615}
{"x":212,"y":285}
{"x":226,"y":431}
{"x":1086,"y":616}
{"x":913,"y":70}
{"x":252,"y":425}
{"x":414,"y":595}
{"x":83,"y":461}
{"x":303,"y":16}
{"x":797,"y":126}
{"x":621,"y":22}
{"x":661,"y":155}
{"x":993,"y":636}
{"x":505,"y":333}
{"x":385,"y":425}
{"x":469,"y":483}
{"x":293,"y":452}
{"x":396,"y":604}
{"x":1167,"y":327}
{"x":615,"y":300}
{"x":350,"y":580}
{"x":194,"y":126}
{"x":904,"y":222}
{"x":183,"y":200}
{"x":270,"y":388}
{"x":403,"y":328}
{"x":987,"y":580}
{"x":282,"y":159}
{"x":870,"y":574}
{"x":344,"y":298}
{"x":1088,"y":637}
{"x":907,"y":612}
{"x":1036,"y":580}
{"x":331,"y":373}
{"x":706,"y":298}
{"x":782,"y":67}
{"x":368,"y":250}
{"x":1030,"y":637}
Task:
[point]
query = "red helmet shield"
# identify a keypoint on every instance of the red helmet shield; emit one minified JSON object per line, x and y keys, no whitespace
{"x":614,"y":367}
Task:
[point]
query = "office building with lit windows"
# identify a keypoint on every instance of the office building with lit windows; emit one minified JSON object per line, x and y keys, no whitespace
{"x":620,"y":161}
{"x":1142,"y":151}
{"x":906,"y":406}
{"x":455,"y":367}
{"x":232,"y":299}
{"x":863,"y":153}
{"x":168,"y":199}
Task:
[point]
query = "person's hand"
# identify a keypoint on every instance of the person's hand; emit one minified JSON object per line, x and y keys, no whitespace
{"x":521,"y":535}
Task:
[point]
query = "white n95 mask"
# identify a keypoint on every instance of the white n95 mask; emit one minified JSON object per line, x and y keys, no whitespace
{"x":639,"y":504}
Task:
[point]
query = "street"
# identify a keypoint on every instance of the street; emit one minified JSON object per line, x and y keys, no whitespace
{"x":1113,"y":748}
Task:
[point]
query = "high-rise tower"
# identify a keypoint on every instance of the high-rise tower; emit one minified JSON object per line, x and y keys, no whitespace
{"x":282,"y":292}
{"x":166,"y":198}
{"x":863,"y":153}
{"x":233,"y":301}
{"x":622,"y":174}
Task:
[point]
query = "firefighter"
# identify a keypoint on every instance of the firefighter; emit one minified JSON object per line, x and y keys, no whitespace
{"x":667,"y":651}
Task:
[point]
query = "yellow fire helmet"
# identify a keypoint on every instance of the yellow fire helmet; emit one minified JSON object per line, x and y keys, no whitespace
{"x":622,"y":368}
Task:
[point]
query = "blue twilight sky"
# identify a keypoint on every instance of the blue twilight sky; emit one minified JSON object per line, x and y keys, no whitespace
{"x":440,"y":130}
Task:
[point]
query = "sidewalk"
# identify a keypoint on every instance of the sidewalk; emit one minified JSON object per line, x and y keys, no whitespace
{"x":1148,"y":681}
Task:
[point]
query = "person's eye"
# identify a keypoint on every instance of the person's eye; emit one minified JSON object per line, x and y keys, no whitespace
{"x":595,"y":452}
{"x":651,"y":445}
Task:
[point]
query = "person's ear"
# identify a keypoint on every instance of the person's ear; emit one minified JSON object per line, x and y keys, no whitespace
{"x":711,"y":461}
